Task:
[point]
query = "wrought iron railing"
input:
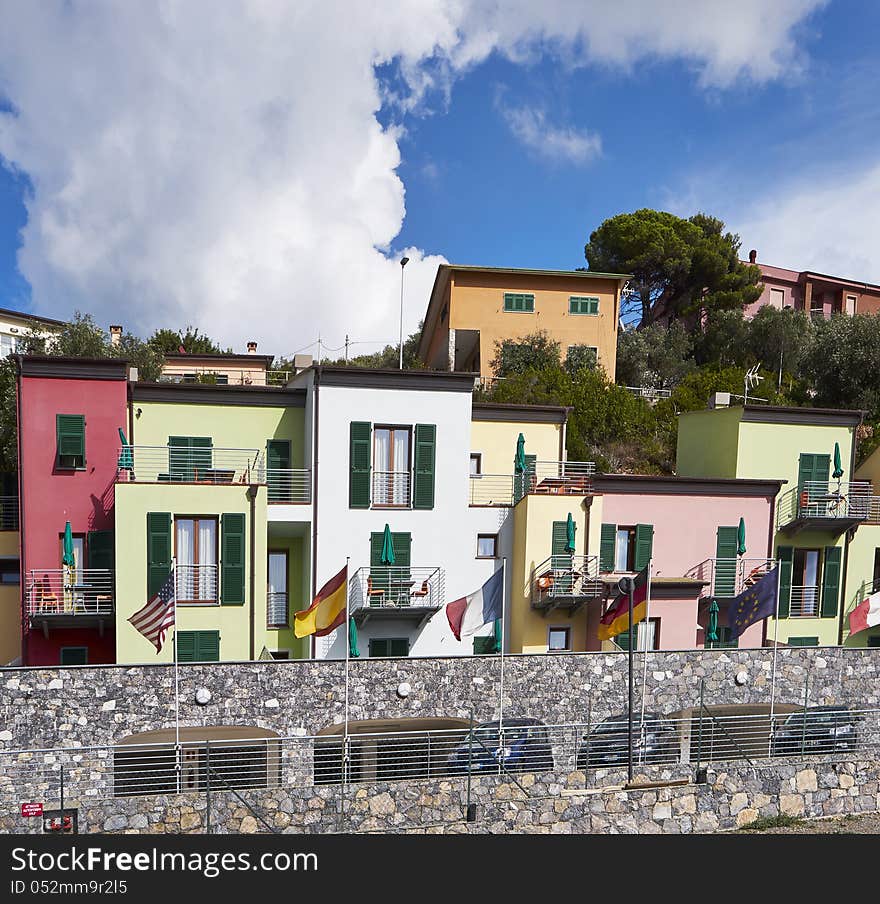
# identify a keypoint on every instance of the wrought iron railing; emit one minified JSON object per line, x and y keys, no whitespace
{"x":69,"y":591}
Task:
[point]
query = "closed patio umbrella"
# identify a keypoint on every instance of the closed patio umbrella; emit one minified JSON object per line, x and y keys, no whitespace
{"x":712,"y":629}
{"x":519,"y":460}
{"x":570,"y":529}
{"x":126,"y":459}
{"x":67,"y":557}
{"x":353,"y":650}
{"x":387,"y":557}
{"x":741,"y":538}
{"x":838,"y":464}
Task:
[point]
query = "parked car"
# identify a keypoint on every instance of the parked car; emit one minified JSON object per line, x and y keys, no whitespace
{"x":816,"y":730}
{"x":655,"y":740}
{"x":523,"y":746}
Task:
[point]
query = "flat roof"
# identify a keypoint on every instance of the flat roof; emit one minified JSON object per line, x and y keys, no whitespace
{"x":664,"y":484}
{"x":35,"y":317}
{"x":215,"y":356}
{"x":60,"y":367}
{"x":505,"y":411}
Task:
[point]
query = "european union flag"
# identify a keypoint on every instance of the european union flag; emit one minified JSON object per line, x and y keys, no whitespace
{"x":753,"y":604}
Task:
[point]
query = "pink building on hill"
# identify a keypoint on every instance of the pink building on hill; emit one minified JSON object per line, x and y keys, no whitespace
{"x":70,"y":411}
{"x":818,"y":294}
{"x":688,"y":527}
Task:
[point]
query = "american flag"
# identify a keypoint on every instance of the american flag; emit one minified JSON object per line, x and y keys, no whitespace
{"x":154,"y":619}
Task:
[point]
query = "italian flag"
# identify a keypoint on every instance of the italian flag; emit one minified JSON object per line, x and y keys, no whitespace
{"x":865,"y":615}
{"x":616,"y":620}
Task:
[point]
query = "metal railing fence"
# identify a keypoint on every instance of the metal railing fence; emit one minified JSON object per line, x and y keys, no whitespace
{"x":396,"y":587}
{"x":289,"y":485}
{"x":8,"y":512}
{"x":825,"y":500}
{"x":183,"y":464}
{"x":69,"y":591}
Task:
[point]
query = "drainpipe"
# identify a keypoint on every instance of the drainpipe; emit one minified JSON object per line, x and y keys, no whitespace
{"x":316,"y":380}
{"x":770,"y":538}
{"x":252,"y":496}
{"x":24,"y":635}
{"x":841,"y":602}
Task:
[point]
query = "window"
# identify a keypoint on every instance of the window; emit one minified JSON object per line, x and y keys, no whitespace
{"x":277,"y":610}
{"x":198,"y":646}
{"x":70,"y":440}
{"x":817,"y":302}
{"x":519,"y":303}
{"x":487,"y":546}
{"x":78,"y":555}
{"x":558,"y":639}
{"x":189,"y":459}
{"x":583,"y":305}
{"x":74,"y":655}
{"x":389,"y":646}
{"x":850,"y":304}
{"x":391,"y":469}
{"x":805,"y":583}
{"x":647,"y":636}
{"x":874,"y":641}
{"x":724,"y":642}
{"x":476,"y":464}
{"x":280,"y":654}
{"x":625,"y":549}
{"x":777,"y":298}
{"x":195,"y":542}
{"x":803,"y":641}
{"x":10,"y":571}
{"x":8,"y":345}
{"x":876,"y":585}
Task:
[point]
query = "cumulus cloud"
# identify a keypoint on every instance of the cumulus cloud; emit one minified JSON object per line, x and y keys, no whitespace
{"x":223,"y":165}
{"x":529,"y":125}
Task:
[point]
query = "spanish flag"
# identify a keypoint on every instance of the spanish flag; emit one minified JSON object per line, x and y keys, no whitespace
{"x":616,"y":620}
{"x":327,"y":612}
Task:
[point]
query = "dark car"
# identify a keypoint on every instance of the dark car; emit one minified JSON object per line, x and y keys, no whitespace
{"x":815,"y":730}
{"x":654,"y":741}
{"x":522,"y":746}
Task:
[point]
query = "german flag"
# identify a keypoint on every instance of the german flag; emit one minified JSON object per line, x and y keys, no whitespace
{"x":616,"y":620}
{"x":327,"y":612}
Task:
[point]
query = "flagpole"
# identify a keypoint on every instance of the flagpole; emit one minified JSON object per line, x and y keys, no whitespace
{"x":631,"y":584}
{"x":347,"y":642}
{"x":503,"y":607}
{"x":176,"y":676}
{"x":775,"y":653}
{"x":647,"y":625}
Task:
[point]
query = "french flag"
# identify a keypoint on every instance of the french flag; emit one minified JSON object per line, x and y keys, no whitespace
{"x":470,"y":613}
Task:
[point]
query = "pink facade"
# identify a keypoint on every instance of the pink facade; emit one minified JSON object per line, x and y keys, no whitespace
{"x":686,"y":514}
{"x":52,"y":495}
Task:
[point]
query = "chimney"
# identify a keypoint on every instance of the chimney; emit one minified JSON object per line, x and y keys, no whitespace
{"x":115,"y":334}
{"x":252,"y":347}
{"x":719,"y":400}
{"x":753,"y":256}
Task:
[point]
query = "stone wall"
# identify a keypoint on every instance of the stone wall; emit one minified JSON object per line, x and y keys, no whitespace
{"x":79,"y":706}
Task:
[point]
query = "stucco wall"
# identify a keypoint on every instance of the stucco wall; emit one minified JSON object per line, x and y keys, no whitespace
{"x":496,"y":443}
{"x":707,"y":443}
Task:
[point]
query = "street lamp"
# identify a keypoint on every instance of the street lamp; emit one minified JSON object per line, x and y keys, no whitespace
{"x":403,"y":262}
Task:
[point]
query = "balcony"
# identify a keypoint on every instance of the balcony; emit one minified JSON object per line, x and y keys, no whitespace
{"x":729,"y":577}
{"x":566,"y":582}
{"x":289,"y":486}
{"x":804,"y":602}
{"x":226,"y":376}
{"x":829,"y":506}
{"x":67,"y":597}
{"x":277,"y":611}
{"x":8,"y":512}
{"x":391,"y":489}
{"x":543,"y":478}
{"x":396,"y":592}
{"x":181,"y":464}
{"x":197,"y":584}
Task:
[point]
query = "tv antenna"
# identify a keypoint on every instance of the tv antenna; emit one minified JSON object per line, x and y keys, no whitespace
{"x":752,"y":379}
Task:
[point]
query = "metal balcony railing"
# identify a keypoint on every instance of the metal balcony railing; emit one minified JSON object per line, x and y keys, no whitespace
{"x":226,"y":376}
{"x":289,"y":485}
{"x":197,"y":584}
{"x":396,"y":587}
{"x":729,"y":577}
{"x":8,"y":512}
{"x":648,"y":392}
{"x":179,"y":464}
{"x":564,"y":478}
{"x":804,"y":602}
{"x":825,"y":501}
{"x":391,"y":488}
{"x":277,"y":612}
{"x":69,"y":591}
{"x":565,"y":577}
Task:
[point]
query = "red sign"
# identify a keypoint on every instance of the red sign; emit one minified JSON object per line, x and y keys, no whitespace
{"x":31,"y":809}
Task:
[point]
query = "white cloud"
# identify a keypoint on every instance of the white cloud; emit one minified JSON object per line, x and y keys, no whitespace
{"x":223,"y":165}
{"x":557,"y":143}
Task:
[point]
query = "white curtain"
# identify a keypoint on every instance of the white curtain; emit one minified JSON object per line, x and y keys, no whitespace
{"x":621,"y":550}
{"x":381,"y":466}
{"x":401,"y":467}
{"x":277,"y":613}
{"x":185,"y":530}
{"x":208,"y":560}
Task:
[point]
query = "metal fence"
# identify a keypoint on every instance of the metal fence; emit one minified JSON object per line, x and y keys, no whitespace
{"x":289,"y":485}
{"x":825,"y":501}
{"x":396,"y":587}
{"x":69,"y":591}
{"x":184,"y":464}
{"x":8,"y":512}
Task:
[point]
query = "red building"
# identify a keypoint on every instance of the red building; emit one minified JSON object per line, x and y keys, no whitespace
{"x":69,"y":413}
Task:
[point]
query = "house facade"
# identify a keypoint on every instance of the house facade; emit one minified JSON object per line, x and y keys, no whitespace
{"x":473,"y":308}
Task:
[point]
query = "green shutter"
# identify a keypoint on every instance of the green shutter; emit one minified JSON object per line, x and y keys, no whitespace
{"x":803,"y":641}
{"x":186,"y":646}
{"x":725,"y":561}
{"x":189,"y":456}
{"x":278,"y":459}
{"x":399,"y":646}
{"x":831,"y":582}
{"x":560,"y":556}
{"x":644,"y":545}
{"x":208,"y":643}
{"x":359,"y":463}
{"x":376,"y":539}
{"x":158,"y":550}
{"x":100,"y":552}
{"x":74,"y":656}
{"x":483,"y":646}
{"x":785,"y":554}
{"x":813,"y":467}
{"x":232,"y":563}
{"x":70,"y":436}
{"x":606,"y":547}
{"x":402,"y":551}
{"x":425,"y":454}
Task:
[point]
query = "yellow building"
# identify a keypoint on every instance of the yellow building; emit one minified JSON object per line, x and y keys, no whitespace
{"x":10,"y":591}
{"x":863,"y":558}
{"x":473,"y":308}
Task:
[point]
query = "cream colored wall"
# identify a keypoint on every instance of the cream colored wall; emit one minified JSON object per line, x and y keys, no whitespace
{"x":869,"y":469}
{"x":860,"y":579}
{"x":297,"y":595}
{"x":496,"y":442}
{"x":707,"y":443}
{"x":133,"y":501}
{"x":533,"y":526}
{"x":477,"y":303}
{"x":243,"y":373}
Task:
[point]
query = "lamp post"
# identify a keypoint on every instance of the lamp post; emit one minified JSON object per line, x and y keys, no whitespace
{"x":786,"y":307}
{"x":403,"y":262}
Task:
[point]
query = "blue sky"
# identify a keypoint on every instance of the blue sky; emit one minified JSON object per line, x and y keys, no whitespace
{"x":165,"y":169}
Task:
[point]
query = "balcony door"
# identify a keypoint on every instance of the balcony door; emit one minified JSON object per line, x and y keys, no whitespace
{"x":805,"y":582}
{"x":391,"y":466}
{"x":196,"y":555}
{"x":277,"y":607}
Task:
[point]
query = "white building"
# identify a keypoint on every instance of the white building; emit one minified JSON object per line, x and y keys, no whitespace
{"x":15,"y":325}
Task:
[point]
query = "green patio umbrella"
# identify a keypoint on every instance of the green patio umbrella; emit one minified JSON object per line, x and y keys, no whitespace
{"x":353,"y":650}
{"x":741,"y":538}
{"x":387,"y":548}
{"x":67,"y":557}
{"x":519,"y":461}
{"x":126,"y":460}
{"x":838,"y":464}
{"x":712,"y":629}
{"x":570,"y":529}
{"x":498,"y":640}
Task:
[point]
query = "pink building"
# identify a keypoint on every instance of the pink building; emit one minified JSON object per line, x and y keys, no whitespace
{"x":816,"y":293}
{"x":70,"y":411}
{"x":688,"y":528}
